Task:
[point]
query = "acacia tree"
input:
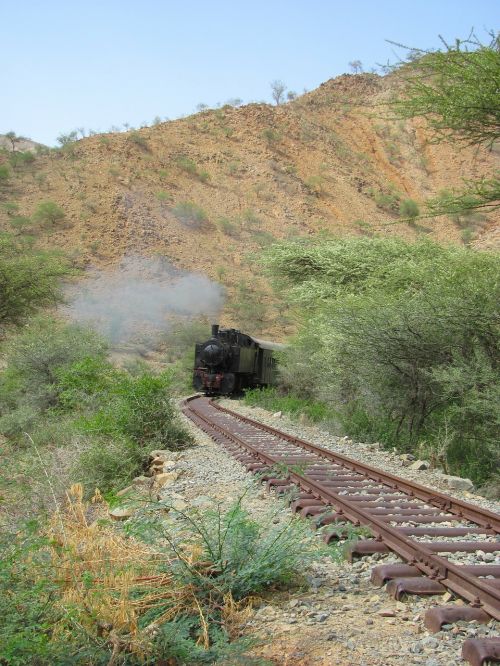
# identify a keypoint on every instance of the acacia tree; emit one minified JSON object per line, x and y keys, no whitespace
{"x":278,"y":91}
{"x":356,"y":66}
{"x":456,"y":90}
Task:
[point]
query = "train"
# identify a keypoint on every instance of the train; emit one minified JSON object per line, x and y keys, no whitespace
{"x":230,"y":361}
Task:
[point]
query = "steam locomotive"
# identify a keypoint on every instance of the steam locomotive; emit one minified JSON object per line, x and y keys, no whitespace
{"x":231,"y":361}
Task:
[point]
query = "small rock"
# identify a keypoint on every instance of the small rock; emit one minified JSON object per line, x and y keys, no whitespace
{"x":416,"y":648}
{"x":121,"y":513}
{"x":386,"y":612}
{"x":457,"y":483}
{"x":420,"y":465}
{"x":164,"y":478}
{"x":369,"y":622}
{"x":489,"y":557}
{"x":141,"y":481}
{"x":277,"y":415}
{"x":430,"y":642}
{"x":321,"y":617}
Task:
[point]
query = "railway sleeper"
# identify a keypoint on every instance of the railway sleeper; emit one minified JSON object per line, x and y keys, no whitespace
{"x":434,"y":618}
{"x":478,"y":651}
{"x":385,"y":572}
{"x":421,"y":585}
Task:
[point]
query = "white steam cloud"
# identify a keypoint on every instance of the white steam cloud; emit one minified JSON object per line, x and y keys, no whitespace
{"x":141,"y":299}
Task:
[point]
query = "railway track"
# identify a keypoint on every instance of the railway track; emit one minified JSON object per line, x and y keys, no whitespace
{"x":427,"y":529}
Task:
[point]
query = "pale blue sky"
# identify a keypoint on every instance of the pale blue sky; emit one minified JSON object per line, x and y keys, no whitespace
{"x":69,"y":64}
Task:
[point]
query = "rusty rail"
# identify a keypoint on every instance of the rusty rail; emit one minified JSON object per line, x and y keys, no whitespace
{"x":480,"y":592}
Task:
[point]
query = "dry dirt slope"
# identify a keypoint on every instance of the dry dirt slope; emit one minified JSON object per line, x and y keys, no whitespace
{"x":206,"y":189}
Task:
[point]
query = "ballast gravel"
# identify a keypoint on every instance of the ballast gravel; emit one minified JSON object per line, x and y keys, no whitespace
{"x":337,"y":617}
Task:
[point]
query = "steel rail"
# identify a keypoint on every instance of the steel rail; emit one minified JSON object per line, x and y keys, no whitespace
{"x":475,"y":590}
{"x":482,"y":517}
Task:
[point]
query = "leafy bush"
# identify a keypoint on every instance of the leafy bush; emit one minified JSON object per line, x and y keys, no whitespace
{"x":409,"y":208}
{"x":48,"y":213}
{"x":227,"y":226}
{"x":189,"y":166}
{"x":163,"y":196}
{"x":35,"y":360}
{"x":272,"y":136}
{"x":191,"y":214}
{"x":29,"y":279}
{"x":402,"y":342}
{"x":137,"y":139}
{"x":4,"y":174}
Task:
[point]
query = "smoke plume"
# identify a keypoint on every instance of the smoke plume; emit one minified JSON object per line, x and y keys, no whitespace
{"x":141,"y":299}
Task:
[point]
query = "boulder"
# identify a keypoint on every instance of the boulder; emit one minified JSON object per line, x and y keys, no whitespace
{"x":121,"y":512}
{"x":164,"y":478}
{"x":457,"y":483}
{"x":420,"y":465}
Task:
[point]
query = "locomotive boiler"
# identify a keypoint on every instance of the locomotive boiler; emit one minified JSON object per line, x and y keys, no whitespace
{"x":231,"y":361}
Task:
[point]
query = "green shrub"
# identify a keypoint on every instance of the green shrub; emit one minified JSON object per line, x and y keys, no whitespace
{"x":227,"y":226}
{"x":9,"y":207}
{"x":191,"y":214}
{"x":409,"y":208}
{"x":48,"y":213}
{"x":401,"y":341}
{"x":270,"y":399}
{"x":164,"y":196}
{"x":272,"y":136}
{"x":35,"y":360}
{"x":4,"y":174}
{"x":138,"y":140}
{"x":29,"y":279}
{"x":189,"y":166}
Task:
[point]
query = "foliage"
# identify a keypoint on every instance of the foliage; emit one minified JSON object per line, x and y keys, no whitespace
{"x":270,"y":399}
{"x":136,"y":139}
{"x":227,"y":226}
{"x":4,"y":174}
{"x":177,"y":592}
{"x":29,"y":279}
{"x":272,"y":136}
{"x":48,"y":213}
{"x":190,"y":167}
{"x":409,"y":208}
{"x":36,"y":358}
{"x":65,"y":139}
{"x":54,"y":371}
{"x":278,"y":91}
{"x":456,"y":90}
{"x":190,"y":213}
{"x":248,"y":308}
{"x":402,"y":340}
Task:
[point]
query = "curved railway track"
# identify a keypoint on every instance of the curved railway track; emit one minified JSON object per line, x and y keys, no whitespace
{"x":424,"y":527}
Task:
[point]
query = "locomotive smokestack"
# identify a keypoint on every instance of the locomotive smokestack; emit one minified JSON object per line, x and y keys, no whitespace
{"x":215,"y":330}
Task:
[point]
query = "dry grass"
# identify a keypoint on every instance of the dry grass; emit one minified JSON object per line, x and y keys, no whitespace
{"x":107,"y":582}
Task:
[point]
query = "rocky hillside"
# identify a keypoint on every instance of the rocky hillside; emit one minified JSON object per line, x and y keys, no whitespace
{"x":207,"y":189}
